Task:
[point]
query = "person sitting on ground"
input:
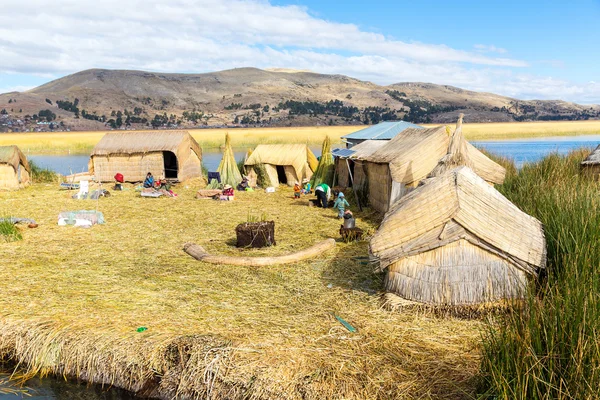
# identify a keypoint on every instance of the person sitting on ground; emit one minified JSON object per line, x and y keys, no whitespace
{"x":306,"y":189}
{"x":149,"y":182}
{"x":244,"y":184}
{"x":323,"y":193}
{"x":119,"y":180}
{"x":227,"y":193}
{"x":341,"y":204}
{"x":297,"y":190}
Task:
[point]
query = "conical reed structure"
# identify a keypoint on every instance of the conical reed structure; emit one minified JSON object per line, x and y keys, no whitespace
{"x":325,"y":169}
{"x":457,"y":155}
{"x":230,"y":174}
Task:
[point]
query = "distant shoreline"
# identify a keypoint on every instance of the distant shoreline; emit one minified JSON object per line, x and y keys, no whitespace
{"x":82,"y":142}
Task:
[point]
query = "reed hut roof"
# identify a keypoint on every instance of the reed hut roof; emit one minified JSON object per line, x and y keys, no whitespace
{"x":296,"y":155}
{"x":460,"y":205}
{"x":413,"y":153}
{"x":361,"y":150}
{"x":146,"y":142}
{"x":593,"y":158}
{"x":462,"y":153}
{"x":13,"y":156}
{"x":382,"y":131}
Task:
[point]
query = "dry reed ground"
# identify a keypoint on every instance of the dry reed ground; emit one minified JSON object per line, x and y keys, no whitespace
{"x":72,"y":298}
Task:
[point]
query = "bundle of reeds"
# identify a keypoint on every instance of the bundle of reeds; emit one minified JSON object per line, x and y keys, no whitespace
{"x":228,"y":168}
{"x":326,"y":167}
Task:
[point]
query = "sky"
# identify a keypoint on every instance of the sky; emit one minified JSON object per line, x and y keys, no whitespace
{"x":524,"y":49}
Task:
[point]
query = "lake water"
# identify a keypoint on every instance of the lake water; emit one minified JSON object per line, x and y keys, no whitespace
{"x":58,"y":389}
{"x":520,"y":150}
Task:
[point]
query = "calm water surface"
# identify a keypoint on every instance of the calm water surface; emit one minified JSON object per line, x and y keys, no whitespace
{"x":520,"y":150}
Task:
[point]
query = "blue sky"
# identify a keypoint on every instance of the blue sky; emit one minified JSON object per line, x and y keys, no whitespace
{"x":530,"y":49}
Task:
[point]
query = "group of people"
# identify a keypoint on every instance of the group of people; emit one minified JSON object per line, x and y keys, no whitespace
{"x":304,"y":189}
{"x":323,"y":194}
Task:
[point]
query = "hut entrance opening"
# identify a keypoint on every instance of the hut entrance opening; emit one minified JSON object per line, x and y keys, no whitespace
{"x":351,"y":165}
{"x":171,"y":167}
{"x":281,"y":176}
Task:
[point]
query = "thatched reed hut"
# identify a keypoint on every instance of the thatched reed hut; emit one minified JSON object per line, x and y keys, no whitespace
{"x":15,"y":172}
{"x":455,"y":240}
{"x":345,"y":160}
{"x":591,"y":165}
{"x":395,"y":168}
{"x":386,"y":130}
{"x":174,"y":155}
{"x":398,"y":167}
{"x":283,"y":163}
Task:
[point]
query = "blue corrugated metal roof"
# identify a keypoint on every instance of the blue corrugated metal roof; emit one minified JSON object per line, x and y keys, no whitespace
{"x":382,"y":131}
{"x":342,"y":152}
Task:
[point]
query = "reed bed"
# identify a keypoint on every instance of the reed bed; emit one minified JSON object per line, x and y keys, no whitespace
{"x":84,"y":142}
{"x":550,"y":349}
{"x":72,"y":301}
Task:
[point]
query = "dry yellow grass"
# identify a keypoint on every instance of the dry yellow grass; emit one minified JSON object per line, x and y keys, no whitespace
{"x":83,"y":142}
{"x":71,"y":300}
{"x":515,"y":130}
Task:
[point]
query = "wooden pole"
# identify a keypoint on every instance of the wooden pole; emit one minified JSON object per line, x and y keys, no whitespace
{"x":353,"y":187}
{"x":200,"y":254}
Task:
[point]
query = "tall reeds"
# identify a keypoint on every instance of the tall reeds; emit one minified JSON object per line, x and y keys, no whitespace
{"x":41,"y":175}
{"x":549,"y":348}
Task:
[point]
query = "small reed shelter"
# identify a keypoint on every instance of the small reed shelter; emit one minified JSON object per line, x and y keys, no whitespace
{"x":174,"y":155}
{"x":455,"y":240}
{"x":591,"y":165}
{"x":283,"y":163}
{"x":15,"y":172}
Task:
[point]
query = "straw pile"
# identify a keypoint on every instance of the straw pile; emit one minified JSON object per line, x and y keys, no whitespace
{"x":325,"y":169}
{"x":297,"y":160}
{"x":230,"y":174}
{"x":72,"y":300}
{"x":455,"y":240}
{"x":14,"y":168}
{"x":134,"y":154}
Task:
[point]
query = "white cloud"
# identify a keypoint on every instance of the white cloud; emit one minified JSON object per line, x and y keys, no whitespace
{"x":17,"y":88}
{"x":483,"y":48}
{"x":208,"y":35}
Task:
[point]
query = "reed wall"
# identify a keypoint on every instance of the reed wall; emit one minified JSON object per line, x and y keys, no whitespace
{"x":380,"y":186}
{"x":342,"y":177}
{"x":8,"y":177}
{"x":459,"y":273}
{"x":133,"y":167}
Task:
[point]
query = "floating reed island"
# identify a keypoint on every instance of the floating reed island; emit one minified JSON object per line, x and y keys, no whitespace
{"x":72,"y":301}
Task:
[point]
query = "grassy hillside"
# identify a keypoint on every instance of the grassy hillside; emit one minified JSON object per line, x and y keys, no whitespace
{"x":250,"y":96}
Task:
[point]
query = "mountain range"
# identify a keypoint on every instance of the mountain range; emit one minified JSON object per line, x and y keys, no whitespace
{"x":100,"y":98}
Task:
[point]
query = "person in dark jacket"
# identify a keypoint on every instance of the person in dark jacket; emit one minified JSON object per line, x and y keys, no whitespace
{"x":149,"y":182}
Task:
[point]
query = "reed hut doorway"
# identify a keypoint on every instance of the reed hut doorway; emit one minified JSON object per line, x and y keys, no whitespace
{"x":281,"y":176}
{"x":170,"y":164}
